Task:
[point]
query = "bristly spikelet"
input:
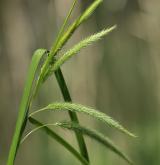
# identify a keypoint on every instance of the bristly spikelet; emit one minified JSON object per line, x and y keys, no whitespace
{"x":82,"y":44}
{"x":86,"y":110}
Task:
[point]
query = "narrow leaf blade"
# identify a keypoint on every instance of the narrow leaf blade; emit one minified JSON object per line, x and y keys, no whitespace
{"x":60,"y":34}
{"x":24,"y":104}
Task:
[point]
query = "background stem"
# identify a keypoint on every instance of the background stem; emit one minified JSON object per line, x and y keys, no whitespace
{"x":73,"y":116}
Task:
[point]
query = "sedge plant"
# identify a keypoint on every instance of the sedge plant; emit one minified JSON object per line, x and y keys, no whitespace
{"x":45,"y":63}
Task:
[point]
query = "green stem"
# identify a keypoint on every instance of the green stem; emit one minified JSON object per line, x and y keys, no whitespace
{"x":73,"y":116}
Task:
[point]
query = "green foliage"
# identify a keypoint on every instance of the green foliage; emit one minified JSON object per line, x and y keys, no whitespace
{"x":50,"y":65}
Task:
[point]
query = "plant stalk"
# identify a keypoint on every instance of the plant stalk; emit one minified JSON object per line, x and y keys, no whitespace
{"x":73,"y":116}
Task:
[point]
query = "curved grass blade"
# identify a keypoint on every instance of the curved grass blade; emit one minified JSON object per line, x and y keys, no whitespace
{"x":55,"y":136}
{"x":97,"y":136}
{"x":86,"y":110}
{"x":24,"y":105}
{"x":82,"y":44}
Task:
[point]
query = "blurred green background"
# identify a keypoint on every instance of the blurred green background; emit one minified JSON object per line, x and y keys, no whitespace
{"x":119,"y":75}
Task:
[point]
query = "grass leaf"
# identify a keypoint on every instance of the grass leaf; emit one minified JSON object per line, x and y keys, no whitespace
{"x":86,"y":110}
{"x":60,"y":34}
{"x":24,"y":105}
